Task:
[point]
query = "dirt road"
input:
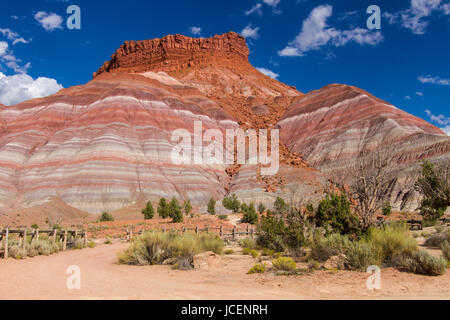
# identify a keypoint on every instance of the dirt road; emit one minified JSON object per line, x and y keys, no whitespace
{"x":102,"y":278}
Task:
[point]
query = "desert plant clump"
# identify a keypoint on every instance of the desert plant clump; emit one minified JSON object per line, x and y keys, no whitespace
{"x":254,"y":253}
{"x":148,"y":211}
{"x":436,"y":239}
{"x":91,"y":244}
{"x":17,"y":252}
{"x":284,"y":264}
{"x":250,"y":215}
{"x":79,"y":244}
{"x":420,"y":262}
{"x":261,"y":208}
{"x":246,"y":251}
{"x":446,"y":250}
{"x":187,"y":207}
{"x":211,"y":206}
{"x":105,"y":216}
{"x":175,"y":211}
{"x":248,"y":243}
{"x":223,"y":217}
{"x":232,"y":203}
{"x":257,"y":268}
{"x":229,"y":251}
{"x":155,"y":247}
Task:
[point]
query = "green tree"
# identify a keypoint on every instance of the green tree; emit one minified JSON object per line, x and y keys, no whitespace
{"x":334,"y":213}
{"x":211,"y":206}
{"x":434,"y":185}
{"x":250,"y":215}
{"x":175,"y":211}
{"x":163,"y":208}
{"x":231,"y":203}
{"x":261,"y":208}
{"x":280,"y":207}
{"x":148,"y":211}
{"x":105,"y":217}
{"x":187,"y":207}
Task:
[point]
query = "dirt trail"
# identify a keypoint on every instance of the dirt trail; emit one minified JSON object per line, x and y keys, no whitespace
{"x":102,"y":278}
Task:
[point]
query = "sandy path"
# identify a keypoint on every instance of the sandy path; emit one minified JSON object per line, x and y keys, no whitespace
{"x":101,"y":278}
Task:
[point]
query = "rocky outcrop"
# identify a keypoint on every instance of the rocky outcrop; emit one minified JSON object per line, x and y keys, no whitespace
{"x":175,"y":52}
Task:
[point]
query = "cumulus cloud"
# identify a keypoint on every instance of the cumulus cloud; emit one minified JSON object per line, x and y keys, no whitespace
{"x":258,"y":7}
{"x":446,"y":130}
{"x":315,"y":33}
{"x":434,"y":80}
{"x":415,"y":17}
{"x":419,"y":93}
{"x":439,"y":119}
{"x":195,"y":30}
{"x":20,"y":87}
{"x":268,"y":72}
{"x":8,"y":58}
{"x":13,"y":36}
{"x":49,"y":21}
{"x":249,"y":32}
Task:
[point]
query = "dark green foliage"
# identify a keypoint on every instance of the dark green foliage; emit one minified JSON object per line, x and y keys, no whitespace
{"x":105,"y":217}
{"x":250,"y":215}
{"x":231,"y":203}
{"x":175,"y":211}
{"x":34,"y":226}
{"x":433,"y":184}
{"x":187,"y":207}
{"x":334,"y":214}
{"x":261,"y":208}
{"x":148,"y":211}
{"x":387,"y":209}
{"x":163,"y":208}
{"x":280,"y":207}
{"x":271,"y":231}
{"x":211,"y":206}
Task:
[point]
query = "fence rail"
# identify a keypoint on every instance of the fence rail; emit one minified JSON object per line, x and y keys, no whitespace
{"x":64,"y":236}
{"x":233,"y":233}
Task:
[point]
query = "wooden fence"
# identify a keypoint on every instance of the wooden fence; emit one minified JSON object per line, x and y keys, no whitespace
{"x":64,"y":236}
{"x":233,"y":233}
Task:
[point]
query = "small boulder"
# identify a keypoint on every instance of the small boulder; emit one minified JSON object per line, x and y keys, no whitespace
{"x":335,"y":262}
{"x":206,"y":259}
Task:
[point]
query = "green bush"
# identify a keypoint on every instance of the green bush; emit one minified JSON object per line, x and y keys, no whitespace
{"x":420,"y":262}
{"x":284,"y":264}
{"x":91,"y":244}
{"x":271,"y":232}
{"x":436,"y":239}
{"x":229,"y":251}
{"x":254,"y":253}
{"x":105,"y":217}
{"x":223,"y":217}
{"x":322,"y":248}
{"x":246,"y":251}
{"x":163,"y":208}
{"x":257,"y":268}
{"x":261,"y":208}
{"x":232,"y":203}
{"x":446,"y":250}
{"x":79,"y":244}
{"x":250,"y":215}
{"x":17,"y":252}
{"x":211,"y":206}
{"x":187,"y":207}
{"x":280,"y":207}
{"x":248,"y":243}
{"x":360,"y":255}
{"x":154,"y":247}
{"x":148,"y":211}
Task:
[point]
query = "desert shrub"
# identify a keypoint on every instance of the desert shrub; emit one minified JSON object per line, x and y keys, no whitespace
{"x":175,"y":211}
{"x":257,"y":268}
{"x":254,"y":253}
{"x":187,"y":207}
{"x":279,"y":206}
{"x":322,"y":248}
{"x":271,"y":231}
{"x":34,"y":226}
{"x":148,"y":211}
{"x":334,"y":214}
{"x":232,"y":203}
{"x":105,"y":217}
{"x":79,"y":244}
{"x":42,"y":247}
{"x":390,"y":240}
{"x":155,"y":247}
{"x":248,"y":243}
{"x":17,"y":252}
{"x":229,"y":251}
{"x":267,"y":252}
{"x":108,"y":241}
{"x":440,"y":228}
{"x":246,"y":251}
{"x":91,"y":244}
{"x":284,"y":264}
{"x":223,"y":217}
{"x":446,"y":250}
{"x":436,"y":239}
{"x":360,"y":255}
{"x":420,"y":262}
{"x":211,"y":207}
{"x":261,"y":208}
{"x":163,"y":208}
{"x":250,"y":215}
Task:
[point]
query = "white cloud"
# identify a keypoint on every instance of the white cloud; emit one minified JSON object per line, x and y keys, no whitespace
{"x":268,"y":72}
{"x":49,"y":21}
{"x":249,"y":32}
{"x":195,"y":30}
{"x":439,"y":119}
{"x":446,"y":130}
{"x":13,"y":36}
{"x":20,"y":87}
{"x":434,"y":80}
{"x":408,"y":97}
{"x":7,"y":57}
{"x":272,"y":3}
{"x":256,"y":8}
{"x":315,"y":33}
{"x":3,"y":48}
{"x":414,"y":17}
{"x":419,"y":93}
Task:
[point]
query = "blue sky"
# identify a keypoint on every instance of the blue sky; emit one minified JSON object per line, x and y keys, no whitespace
{"x":304,"y":43}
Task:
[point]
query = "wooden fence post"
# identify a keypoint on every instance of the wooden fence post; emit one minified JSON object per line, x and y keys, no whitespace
{"x":233,"y":233}
{"x":6,"y":243}
{"x":85,"y":238}
{"x":206,"y":228}
{"x":251,"y":232}
{"x":25,"y":240}
{"x":196,"y":229}
{"x":164,"y":229}
{"x":54,"y":235}
{"x":20,"y":239}
{"x":65,"y":240}
{"x":221,"y":231}
{"x":183,"y":229}
{"x":247,"y":233}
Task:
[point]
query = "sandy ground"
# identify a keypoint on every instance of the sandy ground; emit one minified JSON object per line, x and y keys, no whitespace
{"x":102,"y":278}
